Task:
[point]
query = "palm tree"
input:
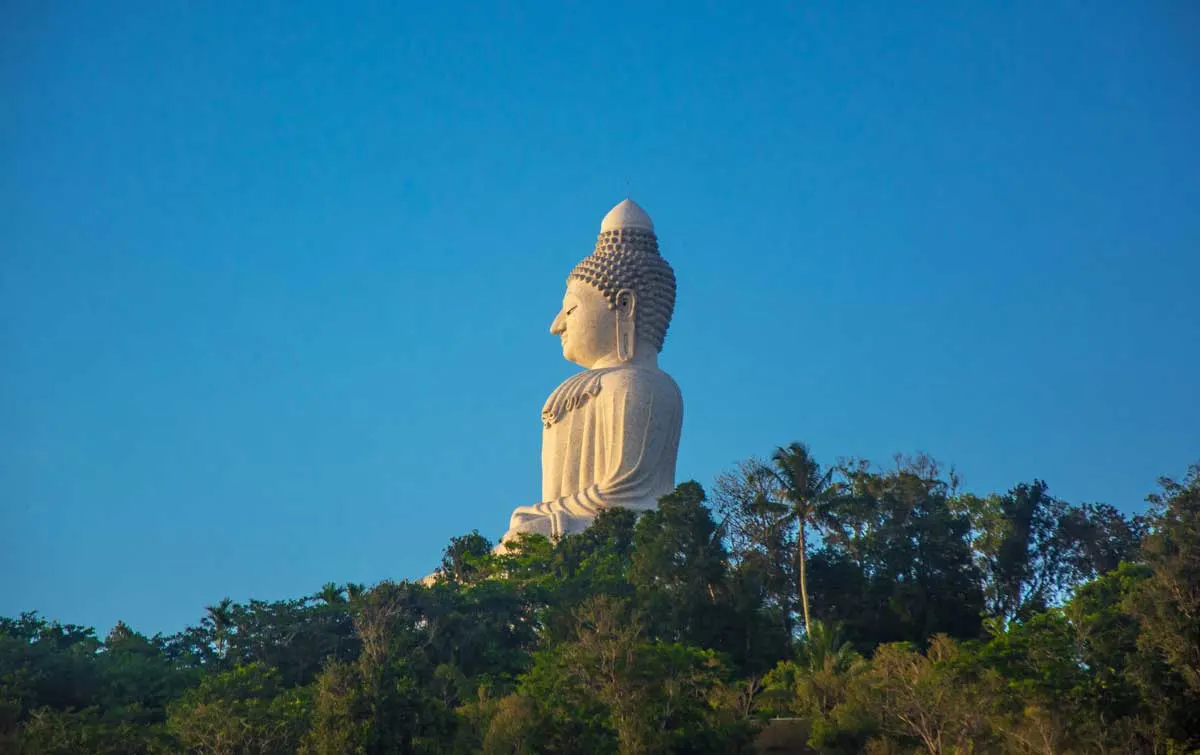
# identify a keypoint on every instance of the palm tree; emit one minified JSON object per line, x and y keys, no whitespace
{"x":805,"y":489}
{"x":826,"y":664}
{"x":332,"y":593}
{"x":219,"y":620}
{"x":823,"y":649}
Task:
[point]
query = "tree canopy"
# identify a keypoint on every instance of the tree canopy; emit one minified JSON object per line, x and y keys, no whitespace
{"x":835,"y":608}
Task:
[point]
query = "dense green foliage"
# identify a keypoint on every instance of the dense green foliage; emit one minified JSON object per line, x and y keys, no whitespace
{"x":838,"y":610}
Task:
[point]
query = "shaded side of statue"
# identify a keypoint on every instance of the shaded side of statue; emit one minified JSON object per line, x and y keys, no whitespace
{"x":610,"y":434}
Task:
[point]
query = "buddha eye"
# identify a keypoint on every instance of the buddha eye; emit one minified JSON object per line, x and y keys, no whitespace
{"x":572,"y":309}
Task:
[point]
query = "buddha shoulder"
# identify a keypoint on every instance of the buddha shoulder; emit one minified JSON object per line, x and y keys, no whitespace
{"x":636,"y":382}
{"x":638,"y":379}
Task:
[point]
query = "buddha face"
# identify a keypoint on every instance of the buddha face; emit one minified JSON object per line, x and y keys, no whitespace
{"x":586,"y":325}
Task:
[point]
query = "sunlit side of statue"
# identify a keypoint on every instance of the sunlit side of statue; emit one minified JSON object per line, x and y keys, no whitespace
{"x":610,"y":434}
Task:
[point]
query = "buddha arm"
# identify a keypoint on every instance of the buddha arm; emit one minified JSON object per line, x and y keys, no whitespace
{"x":641,"y":440}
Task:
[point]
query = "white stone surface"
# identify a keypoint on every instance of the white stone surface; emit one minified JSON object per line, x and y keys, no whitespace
{"x":627,"y":214}
{"x":610,"y":434}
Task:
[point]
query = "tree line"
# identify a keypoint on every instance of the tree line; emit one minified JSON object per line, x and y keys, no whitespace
{"x":793,"y":607}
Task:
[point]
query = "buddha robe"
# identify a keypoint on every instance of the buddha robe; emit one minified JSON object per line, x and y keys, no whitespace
{"x":610,"y":438}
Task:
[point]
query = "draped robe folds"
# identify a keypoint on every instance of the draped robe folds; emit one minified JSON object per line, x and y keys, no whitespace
{"x":610,"y":438}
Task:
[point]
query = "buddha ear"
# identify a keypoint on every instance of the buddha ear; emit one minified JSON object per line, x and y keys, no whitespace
{"x":626,"y":328}
{"x":626,"y":301}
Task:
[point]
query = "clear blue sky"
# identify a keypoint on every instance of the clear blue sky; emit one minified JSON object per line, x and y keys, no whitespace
{"x":277,"y":277}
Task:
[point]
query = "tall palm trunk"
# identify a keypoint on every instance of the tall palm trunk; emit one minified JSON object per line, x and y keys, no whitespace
{"x":803,"y":488}
{"x":801,"y":566}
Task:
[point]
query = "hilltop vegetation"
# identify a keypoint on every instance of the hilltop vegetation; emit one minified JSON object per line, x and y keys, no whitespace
{"x":842,"y":609}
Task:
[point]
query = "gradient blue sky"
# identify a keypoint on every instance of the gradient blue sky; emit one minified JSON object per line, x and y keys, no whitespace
{"x":276,"y":277}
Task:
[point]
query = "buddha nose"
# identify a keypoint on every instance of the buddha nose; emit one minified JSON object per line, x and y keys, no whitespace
{"x":559,"y":326}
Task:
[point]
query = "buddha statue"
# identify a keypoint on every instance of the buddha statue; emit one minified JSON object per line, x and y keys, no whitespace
{"x":610,"y":434}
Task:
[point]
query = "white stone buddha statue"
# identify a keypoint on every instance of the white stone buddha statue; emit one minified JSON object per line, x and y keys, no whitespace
{"x":610,"y":434}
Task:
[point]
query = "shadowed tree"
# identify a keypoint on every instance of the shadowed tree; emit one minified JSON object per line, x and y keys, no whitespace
{"x":461,"y":561}
{"x":761,"y":538}
{"x":219,"y":622}
{"x":1034,"y":549}
{"x":900,"y":565}
{"x":678,"y":566}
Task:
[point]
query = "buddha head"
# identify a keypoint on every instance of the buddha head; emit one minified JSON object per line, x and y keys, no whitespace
{"x":619,"y":299}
